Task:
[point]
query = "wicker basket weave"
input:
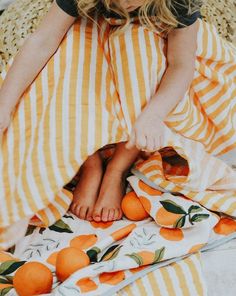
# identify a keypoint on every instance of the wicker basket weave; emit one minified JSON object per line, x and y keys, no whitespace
{"x":23,"y":16}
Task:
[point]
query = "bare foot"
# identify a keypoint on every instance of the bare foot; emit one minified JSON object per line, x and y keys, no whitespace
{"x":107,"y":207}
{"x":87,"y":189}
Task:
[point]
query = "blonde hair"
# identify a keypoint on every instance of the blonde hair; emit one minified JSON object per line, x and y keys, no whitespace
{"x":154,"y":14}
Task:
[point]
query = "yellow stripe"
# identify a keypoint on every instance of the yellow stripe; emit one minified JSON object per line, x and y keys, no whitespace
{"x":168,"y":282}
{"x":182,"y":279}
{"x":195,"y":276}
{"x":128,"y":290}
{"x":141,"y":287}
{"x":154,"y":284}
{"x":138,"y":64}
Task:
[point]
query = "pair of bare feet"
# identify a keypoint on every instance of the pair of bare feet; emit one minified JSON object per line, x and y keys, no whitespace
{"x":99,"y":192}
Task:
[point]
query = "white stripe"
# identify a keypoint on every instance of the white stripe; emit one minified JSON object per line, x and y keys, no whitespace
{"x":79,"y":83}
{"x":11,"y":172}
{"x":91,"y":94}
{"x":121,"y":85}
{"x":21,"y":146}
{"x":40,"y":149}
{"x":133,"y":74}
{"x":53,"y":120}
{"x":175,"y":280}
{"x":66,"y":100}
{"x":189,"y":278}
{"x":161,"y":283}
{"x":30,"y":167}
{"x":219,"y":101}
{"x":3,"y":207}
{"x":103,"y":96}
{"x":144,"y":62}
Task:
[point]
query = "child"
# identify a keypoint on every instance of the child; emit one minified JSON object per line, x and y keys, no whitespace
{"x":98,"y":194}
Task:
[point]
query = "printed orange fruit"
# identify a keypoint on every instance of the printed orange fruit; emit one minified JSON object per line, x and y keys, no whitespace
{"x":145,"y":203}
{"x":86,"y":285}
{"x":123,"y":232}
{"x":132,"y":207}
{"x":4,"y":256}
{"x":225,"y":226}
{"x":52,"y":259}
{"x":147,"y":257}
{"x":172,"y":234}
{"x":112,"y":278}
{"x":165,"y":218}
{"x":68,"y":261}
{"x":149,"y":190}
{"x":83,"y":241}
{"x":33,"y":278}
{"x":102,"y":225}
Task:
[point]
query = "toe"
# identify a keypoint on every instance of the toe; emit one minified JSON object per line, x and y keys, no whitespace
{"x":75,"y":209}
{"x":111,"y":214}
{"x":72,"y":208}
{"x":89,"y":216}
{"x":83,"y":212}
{"x":97,"y":214}
{"x":118,"y":214}
{"x":105,"y":212}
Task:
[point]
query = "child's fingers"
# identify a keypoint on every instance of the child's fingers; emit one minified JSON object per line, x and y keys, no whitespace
{"x":158,"y":143}
{"x":150,"y":144}
{"x":141,"y":142}
{"x":131,"y":143}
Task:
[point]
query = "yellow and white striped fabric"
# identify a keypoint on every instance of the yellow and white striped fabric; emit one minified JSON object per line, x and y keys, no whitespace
{"x":182,"y":278}
{"x":89,"y":95}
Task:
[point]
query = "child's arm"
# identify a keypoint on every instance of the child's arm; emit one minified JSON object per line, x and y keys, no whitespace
{"x":31,"y":58}
{"x":181,"y":56}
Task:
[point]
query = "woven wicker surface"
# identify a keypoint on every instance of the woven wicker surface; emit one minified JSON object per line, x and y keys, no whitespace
{"x":23,"y":16}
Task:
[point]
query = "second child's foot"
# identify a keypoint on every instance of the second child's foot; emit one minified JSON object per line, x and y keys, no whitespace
{"x":87,"y":189}
{"x":108,"y":204}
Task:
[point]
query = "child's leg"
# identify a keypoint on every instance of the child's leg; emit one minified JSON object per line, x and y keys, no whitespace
{"x":87,"y":189}
{"x":107,"y":207}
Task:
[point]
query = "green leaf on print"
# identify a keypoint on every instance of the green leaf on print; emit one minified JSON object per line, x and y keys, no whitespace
{"x":138,"y":259}
{"x":180,"y":222}
{"x":4,"y":291}
{"x":30,"y":230}
{"x":111,"y":253}
{"x":93,"y":254}
{"x":10,"y":266}
{"x":9,"y":278}
{"x":194,"y":209}
{"x":172,"y":207}
{"x":60,"y":226}
{"x":4,"y":281}
{"x":199,"y":217}
{"x":159,"y":254}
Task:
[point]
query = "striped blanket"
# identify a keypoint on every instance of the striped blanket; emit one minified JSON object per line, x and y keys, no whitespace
{"x":89,"y":95}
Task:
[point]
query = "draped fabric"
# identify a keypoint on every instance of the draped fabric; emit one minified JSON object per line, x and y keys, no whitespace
{"x":88,"y":95}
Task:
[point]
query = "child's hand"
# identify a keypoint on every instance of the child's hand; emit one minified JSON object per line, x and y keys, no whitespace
{"x":5,"y":118}
{"x":147,"y":133}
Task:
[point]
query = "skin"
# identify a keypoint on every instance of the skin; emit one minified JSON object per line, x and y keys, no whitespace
{"x":95,"y":196}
